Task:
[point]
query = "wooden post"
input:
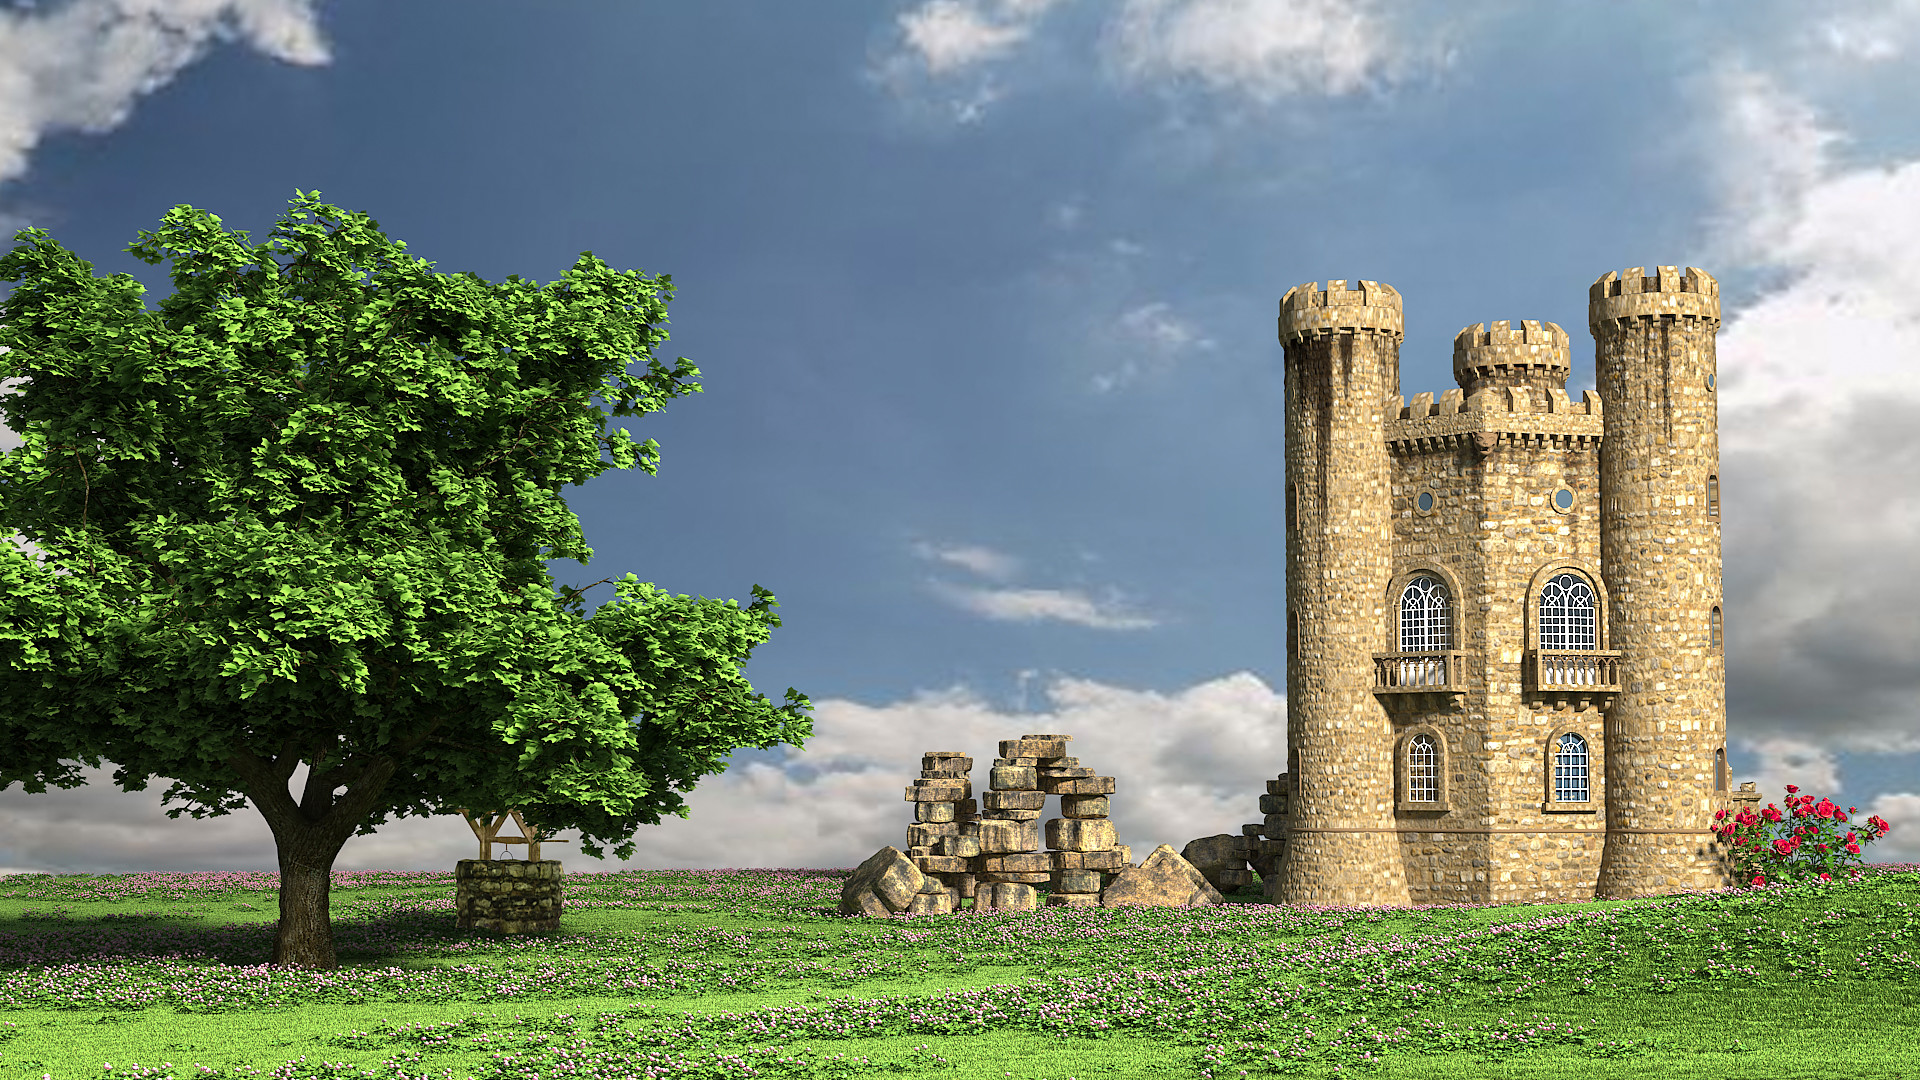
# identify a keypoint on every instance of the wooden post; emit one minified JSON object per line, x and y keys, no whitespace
{"x":489,"y":834}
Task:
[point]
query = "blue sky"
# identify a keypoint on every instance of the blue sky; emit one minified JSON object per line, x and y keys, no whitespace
{"x":983,"y":292}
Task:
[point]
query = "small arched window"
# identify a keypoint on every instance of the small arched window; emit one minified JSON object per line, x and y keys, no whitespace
{"x":1426,"y":623}
{"x":1713,"y":626}
{"x":1570,"y":769}
{"x":1293,"y":509}
{"x":1423,"y":770}
{"x":1713,"y":496}
{"x":1720,"y":769}
{"x":1293,"y":634}
{"x":1567,"y":614}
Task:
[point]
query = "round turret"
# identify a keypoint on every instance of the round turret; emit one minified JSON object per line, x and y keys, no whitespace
{"x":1342,"y":383}
{"x":1660,"y":544}
{"x":1535,"y":355}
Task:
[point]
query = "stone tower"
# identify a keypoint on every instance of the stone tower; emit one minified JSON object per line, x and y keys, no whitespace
{"x":1504,"y":671}
{"x":1342,"y":372}
{"x":1660,"y":543}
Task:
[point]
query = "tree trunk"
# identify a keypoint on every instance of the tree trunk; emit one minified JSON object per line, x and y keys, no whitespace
{"x":305,"y":937}
{"x":308,"y":835}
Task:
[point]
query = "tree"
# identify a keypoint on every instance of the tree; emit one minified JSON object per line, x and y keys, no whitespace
{"x":298,"y":514}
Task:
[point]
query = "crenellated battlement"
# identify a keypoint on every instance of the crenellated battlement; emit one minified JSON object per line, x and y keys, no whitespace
{"x":1514,"y":414}
{"x":1530,"y":354}
{"x":1633,"y":295}
{"x":1373,"y":308}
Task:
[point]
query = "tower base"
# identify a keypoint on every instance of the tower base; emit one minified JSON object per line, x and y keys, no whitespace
{"x":1350,"y":869}
{"x":1660,"y":864}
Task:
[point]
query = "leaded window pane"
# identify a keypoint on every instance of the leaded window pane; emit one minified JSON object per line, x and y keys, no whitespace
{"x":1567,"y":614}
{"x":1423,"y":774}
{"x":1426,"y":625}
{"x":1570,"y":769}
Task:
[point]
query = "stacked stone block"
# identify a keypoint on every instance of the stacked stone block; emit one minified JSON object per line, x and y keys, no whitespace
{"x":993,"y":853}
{"x":1267,"y":838}
{"x":943,"y":805}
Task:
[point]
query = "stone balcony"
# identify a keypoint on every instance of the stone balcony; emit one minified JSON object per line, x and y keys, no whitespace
{"x":1580,"y":678}
{"x":1419,"y":681}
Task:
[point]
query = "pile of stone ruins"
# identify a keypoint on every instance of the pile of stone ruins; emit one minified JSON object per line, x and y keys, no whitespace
{"x":956,"y":850}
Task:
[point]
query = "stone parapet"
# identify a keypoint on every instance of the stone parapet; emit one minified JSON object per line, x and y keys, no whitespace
{"x":1307,"y":311}
{"x":1513,"y":414}
{"x":1633,"y":295}
{"x":1537,"y":355}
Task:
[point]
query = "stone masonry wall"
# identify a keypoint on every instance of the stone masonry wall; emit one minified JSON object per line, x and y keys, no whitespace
{"x":1654,"y":353}
{"x":1492,"y":460}
{"x":1342,"y":368}
{"x":510,"y":896}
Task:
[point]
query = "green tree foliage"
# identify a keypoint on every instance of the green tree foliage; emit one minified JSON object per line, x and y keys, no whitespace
{"x":298,"y":514}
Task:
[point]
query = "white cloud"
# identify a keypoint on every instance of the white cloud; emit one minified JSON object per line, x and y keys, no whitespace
{"x":1263,"y":49}
{"x":1881,"y":32}
{"x":949,"y":35}
{"x":1818,"y":444}
{"x":985,"y":562}
{"x":1035,"y":605}
{"x":1151,"y":333}
{"x":82,"y":65}
{"x":1186,"y":765}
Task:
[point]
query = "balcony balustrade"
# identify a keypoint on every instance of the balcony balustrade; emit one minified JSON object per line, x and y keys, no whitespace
{"x":1419,"y":673}
{"x":1574,"y":671}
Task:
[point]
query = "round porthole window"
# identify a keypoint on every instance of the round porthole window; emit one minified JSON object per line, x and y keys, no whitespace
{"x":1424,"y":502}
{"x":1563,"y":500}
{"x":1709,"y":384}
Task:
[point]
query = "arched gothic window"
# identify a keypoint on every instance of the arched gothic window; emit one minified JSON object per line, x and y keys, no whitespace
{"x":1720,"y":769}
{"x":1423,"y":772}
{"x":1426,"y":624}
{"x":1570,"y":769}
{"x":1567,"y":614}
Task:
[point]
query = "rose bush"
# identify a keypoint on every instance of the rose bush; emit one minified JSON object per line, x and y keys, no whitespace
{"x":1808,"y":845}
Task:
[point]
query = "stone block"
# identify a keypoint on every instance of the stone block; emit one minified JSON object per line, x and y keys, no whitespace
{"x":1016,"y":763}
{"x":1112,"y":859}
{"x":1077,"y":834}
{"x":1044,"y":747}
{"x":1086,"y":785}
{"x":1023,"y":863}
{"x":1273,"y":804}
{"x":1016,"y":876}
{"x":1014,"y":778}
{"x":1083,"y":900}
{"x":1276,"y":787}
{"x":1015,"y":800}
{"x":1005,"y":896}
{"x":1163,"y":879}
{"x":945,"y":763}
{"x":1075,"y":881}
{"x":938,"y":903}
{"x":1061,"y":772}
{"x":1223,"y":849}
{"x":934,"y":812}
{"x":965,"y":847}
{"x":940,"y":790}
{"x":1017,"y":815}
{"x":929,"y":833}
{"x":1007,"y":837}
{"x":914,"y":851}
{"x":1086,"y":806}
{"x":886,"y":883}
{"x":942,"y":864}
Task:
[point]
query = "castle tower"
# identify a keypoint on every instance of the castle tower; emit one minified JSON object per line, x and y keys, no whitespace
{"x":1660,"y":547}
{"x":1342,"y":373}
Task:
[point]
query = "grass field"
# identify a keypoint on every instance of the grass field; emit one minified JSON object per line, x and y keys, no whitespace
{"x":743,"y":973}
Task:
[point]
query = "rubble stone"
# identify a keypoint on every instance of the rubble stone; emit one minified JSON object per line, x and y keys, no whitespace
{"x":1163,"y":879}
{"x":886,"y":883}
